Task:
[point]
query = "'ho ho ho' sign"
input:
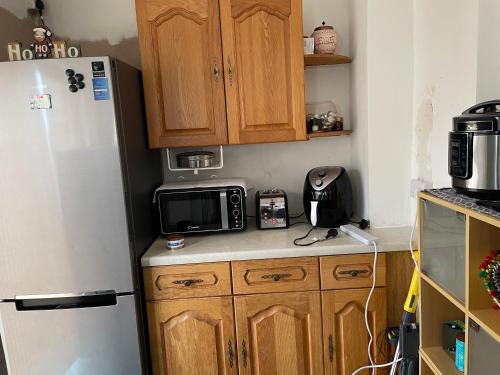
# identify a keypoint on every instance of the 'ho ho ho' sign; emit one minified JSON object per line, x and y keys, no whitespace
{"x":57,"y":49}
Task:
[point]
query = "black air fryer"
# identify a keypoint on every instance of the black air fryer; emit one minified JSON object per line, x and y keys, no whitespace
{"x":328,"y":197}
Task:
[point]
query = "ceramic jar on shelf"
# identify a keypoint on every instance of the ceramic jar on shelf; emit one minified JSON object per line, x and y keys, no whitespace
{"x":325,"y":39}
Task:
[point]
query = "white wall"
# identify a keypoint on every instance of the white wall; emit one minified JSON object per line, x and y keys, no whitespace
{"x":390,"y":89}
{"x":488,"y":54}
{"x":359,"y":102}
{"x":445,"y":68}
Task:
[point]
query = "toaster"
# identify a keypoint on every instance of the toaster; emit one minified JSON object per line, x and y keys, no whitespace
{"x":271,"y":209}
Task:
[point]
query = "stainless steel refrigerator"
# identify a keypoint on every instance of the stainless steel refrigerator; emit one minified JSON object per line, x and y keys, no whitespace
{"x":76,"y":184}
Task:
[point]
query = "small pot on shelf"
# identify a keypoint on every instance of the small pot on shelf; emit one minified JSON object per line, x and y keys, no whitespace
{"x":325,"y":39}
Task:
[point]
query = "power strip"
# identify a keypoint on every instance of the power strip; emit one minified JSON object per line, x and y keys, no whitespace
{"x":358,"y":234}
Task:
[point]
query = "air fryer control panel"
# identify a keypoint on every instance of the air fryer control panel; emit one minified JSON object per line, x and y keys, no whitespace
{"x":321,"y":177}
{"x":460,"y":155}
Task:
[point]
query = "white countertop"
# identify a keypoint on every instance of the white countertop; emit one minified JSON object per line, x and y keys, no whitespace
{"x":266,"y":244}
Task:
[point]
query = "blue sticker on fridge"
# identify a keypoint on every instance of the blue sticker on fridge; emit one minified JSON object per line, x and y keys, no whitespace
{"x":101,"y":88}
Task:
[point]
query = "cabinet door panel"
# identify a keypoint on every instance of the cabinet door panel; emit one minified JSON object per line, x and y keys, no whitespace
{"x":263,"y":56}
{"x":279,"y":334}
{"x":180,"y":52}
{"x":192,"y":337}
{"x":344,"y":332}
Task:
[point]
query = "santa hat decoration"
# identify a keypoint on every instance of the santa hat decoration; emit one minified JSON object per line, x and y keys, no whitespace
{"x":43,"y":29}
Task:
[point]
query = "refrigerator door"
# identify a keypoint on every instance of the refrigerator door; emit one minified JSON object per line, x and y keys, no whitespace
{"x":63,"y":225}
{"x":78,"y":341}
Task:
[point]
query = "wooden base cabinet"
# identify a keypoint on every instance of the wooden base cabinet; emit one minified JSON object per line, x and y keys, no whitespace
{"x":266,"y":317}
{"x":192,"y":337}
{"x":279,"y":334}
{"x":344,"y":330}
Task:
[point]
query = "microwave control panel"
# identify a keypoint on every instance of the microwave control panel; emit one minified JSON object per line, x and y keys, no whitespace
{"x":235,"y":208}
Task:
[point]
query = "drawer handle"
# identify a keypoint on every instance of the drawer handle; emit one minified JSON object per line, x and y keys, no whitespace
{"x":230,"y":353}
{"x":330,"y":348}
{"x":244,"y":353}
{"x":353,"y":273}
{"x":276,"y":276}
{"x":188,"y":282}
{"x":216,"y":71}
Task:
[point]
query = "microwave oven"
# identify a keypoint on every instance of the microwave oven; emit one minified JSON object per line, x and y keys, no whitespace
{"x":202,"y":206}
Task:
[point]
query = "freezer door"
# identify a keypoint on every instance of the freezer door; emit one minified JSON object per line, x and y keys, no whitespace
{"x":63,"y":222}
{"x":77,"y":341}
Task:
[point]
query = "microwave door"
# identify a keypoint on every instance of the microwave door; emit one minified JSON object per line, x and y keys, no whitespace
{"x":193,"y":211}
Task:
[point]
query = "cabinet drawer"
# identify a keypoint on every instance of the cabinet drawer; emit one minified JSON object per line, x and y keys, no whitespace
{"x":351,"y":271}
{"x":186,"y":281}
{"x":275,"y":275}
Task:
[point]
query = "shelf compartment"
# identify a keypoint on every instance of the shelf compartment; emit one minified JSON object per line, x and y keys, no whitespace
{"x":442,"y":245}
{"x":458,"y":304}
{"x":425,"y":369}
{"x":326,"y":59}
{"x":436,"y":309}
{"x":438,"y":361}
{"x":335,"y":133}
{"x":489,"y":320}
{"x":483,"y":239}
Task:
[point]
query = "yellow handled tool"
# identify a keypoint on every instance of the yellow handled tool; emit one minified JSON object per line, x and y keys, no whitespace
{"x":410,"y":305}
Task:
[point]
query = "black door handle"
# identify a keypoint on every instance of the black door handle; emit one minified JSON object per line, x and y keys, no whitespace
{"x":68,"y":301}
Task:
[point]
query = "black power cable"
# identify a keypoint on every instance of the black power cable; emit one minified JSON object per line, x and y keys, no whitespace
{"x":332,"y":233}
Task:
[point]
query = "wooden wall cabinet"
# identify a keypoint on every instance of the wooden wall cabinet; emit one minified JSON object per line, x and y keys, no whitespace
{"x":222,"y":71}
{"x":268,"y":325}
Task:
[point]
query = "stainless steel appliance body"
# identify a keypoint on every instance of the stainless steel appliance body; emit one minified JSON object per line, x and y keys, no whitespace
{"x":271,"y":209}
{"x":202,"y":206}
{"x":474,"y":151}
{"x":75,"y":194}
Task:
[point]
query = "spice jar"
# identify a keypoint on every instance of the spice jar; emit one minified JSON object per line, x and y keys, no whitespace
{"x":325,"y":39}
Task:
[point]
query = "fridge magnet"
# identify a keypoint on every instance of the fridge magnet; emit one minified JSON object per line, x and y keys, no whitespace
{"x":490,"y":274}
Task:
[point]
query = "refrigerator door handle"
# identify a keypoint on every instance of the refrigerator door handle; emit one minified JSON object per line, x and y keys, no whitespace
{"x":66,"y":301}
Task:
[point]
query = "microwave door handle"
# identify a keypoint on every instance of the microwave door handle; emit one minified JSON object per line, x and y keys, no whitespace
{"x":224,"y":209}
{"x":314,"y":213}
{"x":61,"y":302}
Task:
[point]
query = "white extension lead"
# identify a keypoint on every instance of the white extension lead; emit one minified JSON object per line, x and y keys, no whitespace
{"x":368,"y":239}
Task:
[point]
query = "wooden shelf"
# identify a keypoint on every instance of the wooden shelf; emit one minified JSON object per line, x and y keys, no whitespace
{"x":325,"y":59}
{"x":489,"y":320}
{"x":336,"y":133}
{"x":439,"y":361}
{"x":458,"y":304}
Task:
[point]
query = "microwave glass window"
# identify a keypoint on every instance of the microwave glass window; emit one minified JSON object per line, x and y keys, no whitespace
{"x":195,"y":210}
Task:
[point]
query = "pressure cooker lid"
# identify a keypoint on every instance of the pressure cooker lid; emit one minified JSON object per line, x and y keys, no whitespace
{"x":483,"y":117}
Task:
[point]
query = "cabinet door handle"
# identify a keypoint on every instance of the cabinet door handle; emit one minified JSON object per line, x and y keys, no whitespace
{"x":230,"y":353}
{"x":187,"y":282}
{"x":244,"y":353}
{"x":276,"y":276}
{"x":330,"y":348}
{"x":230,"y":72}
{"x":216,"y":71}
{"x":353,"y":273}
